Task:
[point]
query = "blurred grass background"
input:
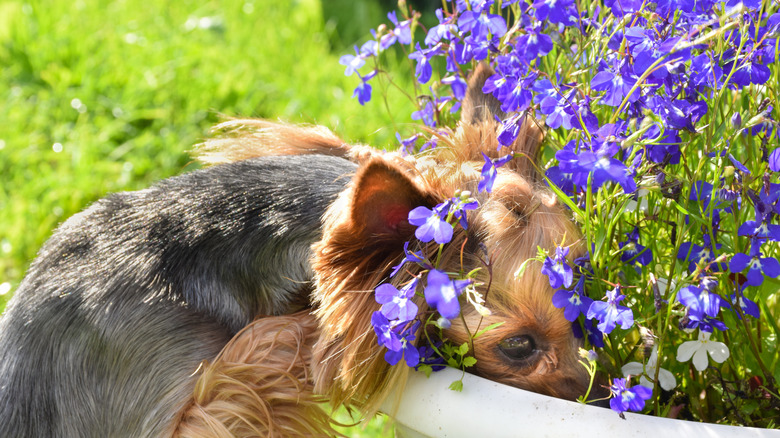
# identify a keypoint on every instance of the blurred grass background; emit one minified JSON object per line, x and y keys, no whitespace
{"x":102,"y":96}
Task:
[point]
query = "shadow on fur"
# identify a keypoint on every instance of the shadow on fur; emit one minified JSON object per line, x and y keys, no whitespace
{"x":260,"y":385}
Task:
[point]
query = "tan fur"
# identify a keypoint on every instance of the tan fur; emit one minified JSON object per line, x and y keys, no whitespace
{"x":259,"y":385}
{"x":240,"y":139}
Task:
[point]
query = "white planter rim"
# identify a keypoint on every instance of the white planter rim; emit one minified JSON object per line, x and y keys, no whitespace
{"x":427,"y":408}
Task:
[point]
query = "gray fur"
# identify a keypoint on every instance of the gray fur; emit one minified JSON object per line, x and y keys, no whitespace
{"x":128,"y":297}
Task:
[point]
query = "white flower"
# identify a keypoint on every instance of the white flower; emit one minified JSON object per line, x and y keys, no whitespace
{"x":665,"y":377}
{"x":699,"y":349}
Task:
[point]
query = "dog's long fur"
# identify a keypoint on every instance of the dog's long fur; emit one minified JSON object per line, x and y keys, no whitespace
{"x":123,"y":324}
{"x":127,"y":298}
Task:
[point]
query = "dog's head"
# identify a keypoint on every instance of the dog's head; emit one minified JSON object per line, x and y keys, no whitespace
{"x":364,"y":237}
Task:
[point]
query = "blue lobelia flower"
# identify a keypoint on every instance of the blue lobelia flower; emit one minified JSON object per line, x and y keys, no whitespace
{"x":555,"y":11}
{"x":427,"y":114}
{"x":397,"y":304}
{"x":558,"y":270}
{"x":574,"y":302}
{"x":407,"y":351}
{"x":596,"y":159}
{"x":402,"y":32}
{"x":411,"y":257}
{"x":633,"y":250}
{"x":595,"y":337}
{"x":482,"y":24}
{"x":489,"y":172}
{"x":431,"y":224}
{"x":446,"y":29}
{"x":424,"y":70}
{"x":628,"y":399}
{"x":352,"y":62}
{"x":533,"y":44}
{"x":617,"y":82}
{"x":458,"y":206}
{"x":758,"y":266}
{"x":363,"y":92}
{"x":702,"y":301}
{"x":760,"y":229}
{"x":442,"y":293}
{"x":385,"y":333}
{"x":428,"y":356}
{"x":749,"y":307}
{"x":610,"y":313}
{"x":700,"y":255}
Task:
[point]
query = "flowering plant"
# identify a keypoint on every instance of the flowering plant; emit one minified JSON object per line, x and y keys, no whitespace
{"x":662,"y":140}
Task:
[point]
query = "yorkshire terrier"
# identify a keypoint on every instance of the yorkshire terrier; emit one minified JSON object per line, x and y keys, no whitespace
{"x":236,"y":300}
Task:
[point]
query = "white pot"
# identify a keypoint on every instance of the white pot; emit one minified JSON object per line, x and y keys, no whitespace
{"x":427,"y":408}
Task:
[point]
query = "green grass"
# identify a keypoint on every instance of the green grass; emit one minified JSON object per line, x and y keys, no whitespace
{"x":98,"y":97}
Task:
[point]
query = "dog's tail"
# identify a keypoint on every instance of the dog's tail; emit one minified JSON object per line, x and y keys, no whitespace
{"x":240,"y":139}
{"x":260,"y":385}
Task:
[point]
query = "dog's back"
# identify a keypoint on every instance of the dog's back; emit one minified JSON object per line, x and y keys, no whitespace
{"x":128,"y":297}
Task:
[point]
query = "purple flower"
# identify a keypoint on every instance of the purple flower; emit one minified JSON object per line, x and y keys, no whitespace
{"x":702,"y":301}
{"x":352,"y":62}
{"x":533,"y":44}
{"x":402,"y":32}
{"x":480,"y":25}
{"x":749,"y":307}
{"x":407,"y":350}
{"x":774,"y":160}
{"x":489,"y":172}
{"x":761,"y":230}
{"x":431,"y":225}
{"x":459,"y":206}
{"x":510,"y":129}
{"x":442,"y":293}
{"x":595,"y":337}
{"x":411,"y":257}
{"x":597,"y":159}
{"x":363,"y":92}
{"x":428,"y":356}
{"x":616,"y":84}
{"x":424,"y":70}
{"x":632,"y":250}
{"x":457,"y":84}
{"x":610,"y":313}
{"x":385,"y":333}
{"x":758,"y":266}
{"x":699,"y":255}
{"x":574,"y":302}
{"x":407,"y":144}
{"x":445,"y":29}
{"x":426,"y":114}
{"x":397,"y":304}
{"x":558,"y":270}
{"x":628,"y":399}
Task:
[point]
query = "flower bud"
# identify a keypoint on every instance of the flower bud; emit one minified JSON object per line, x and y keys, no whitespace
{"x":736,"y":120}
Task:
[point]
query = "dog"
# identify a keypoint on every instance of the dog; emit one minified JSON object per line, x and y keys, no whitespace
{"x":236,"y":300}
{"x":364,"y":231}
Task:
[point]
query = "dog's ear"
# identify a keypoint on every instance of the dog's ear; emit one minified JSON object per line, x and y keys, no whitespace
{"x":479,"y":125}
{"x":477,"y":106}
{"x":382,"y":198}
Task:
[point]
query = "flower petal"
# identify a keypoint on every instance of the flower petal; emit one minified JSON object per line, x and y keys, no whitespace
{"x":700,"y":360}
{"x":686,"y":349}
{"x":718,"y":351}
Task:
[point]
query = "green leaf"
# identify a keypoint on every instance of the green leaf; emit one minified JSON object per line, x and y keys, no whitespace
{"x":463,"y":349}
{"x":488,"y":328}
{"x":457,"y":385}
{"x":469,"y":361}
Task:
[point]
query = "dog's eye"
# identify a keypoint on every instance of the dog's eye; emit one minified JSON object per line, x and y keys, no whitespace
{"x":518,"y":347}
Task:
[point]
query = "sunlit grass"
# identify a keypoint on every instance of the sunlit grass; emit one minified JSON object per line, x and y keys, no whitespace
{"x":98,"y":97}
